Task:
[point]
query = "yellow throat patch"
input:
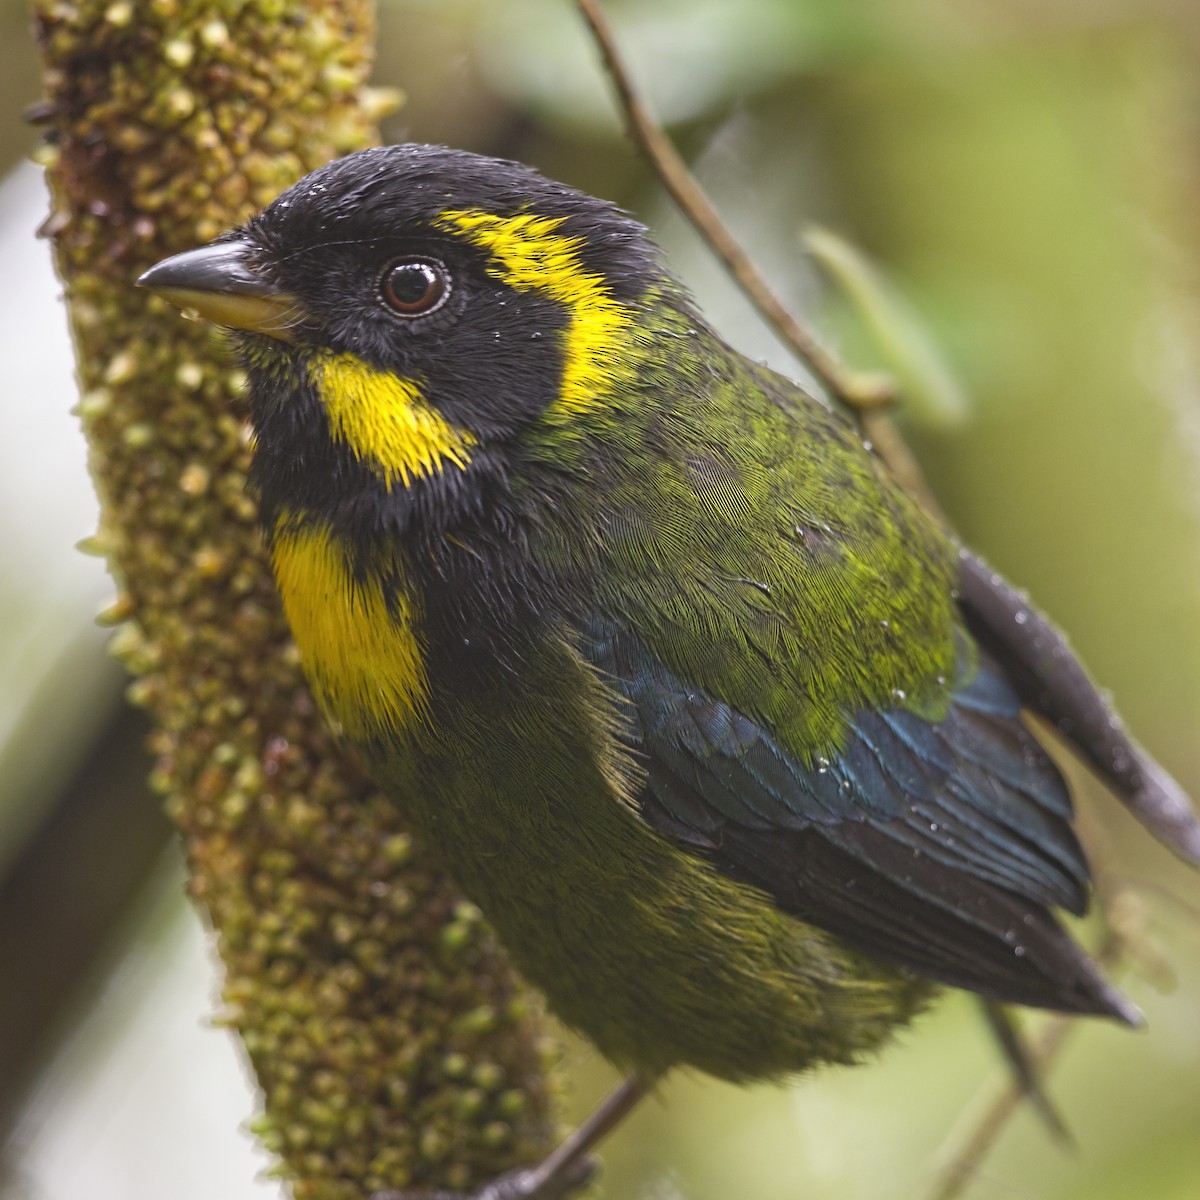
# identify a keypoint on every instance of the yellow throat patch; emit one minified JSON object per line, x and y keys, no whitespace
{"x":529,"y":254}
{"x":386,"y":421}
{"x":360,"y":652}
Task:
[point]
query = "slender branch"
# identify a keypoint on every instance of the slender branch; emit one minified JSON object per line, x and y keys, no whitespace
{"x":990,"y":1113}
{"x":860,"y":391}
{"x":866,"y":393}
{"x":883,"y":435}
{"x":973,"y":1138}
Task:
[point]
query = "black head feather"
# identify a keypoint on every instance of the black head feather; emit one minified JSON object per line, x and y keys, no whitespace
{"x":490,"y":357}
{"x":393,"y":193}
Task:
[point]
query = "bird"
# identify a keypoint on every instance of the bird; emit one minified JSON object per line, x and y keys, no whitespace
{"x":724,"y":733}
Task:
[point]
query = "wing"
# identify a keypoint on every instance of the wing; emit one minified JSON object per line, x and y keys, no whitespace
{"x":940,"y":846}
{"x":768,"y":595}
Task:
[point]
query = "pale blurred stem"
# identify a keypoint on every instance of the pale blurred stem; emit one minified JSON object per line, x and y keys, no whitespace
{"x":391,"y":1042}
{"x":868,"y":397}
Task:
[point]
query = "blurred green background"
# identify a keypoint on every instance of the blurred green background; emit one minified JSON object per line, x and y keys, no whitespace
{"x":1027,"y":176}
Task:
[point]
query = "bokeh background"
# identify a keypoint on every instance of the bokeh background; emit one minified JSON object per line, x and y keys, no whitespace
{"x":1026,"y":174}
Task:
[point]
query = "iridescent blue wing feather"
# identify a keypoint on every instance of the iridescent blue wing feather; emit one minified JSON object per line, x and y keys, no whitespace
{"x":940,"y":846}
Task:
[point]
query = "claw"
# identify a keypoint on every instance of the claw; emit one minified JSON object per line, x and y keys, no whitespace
{"x":565,"y":1170}
{"x":525,"y":1183}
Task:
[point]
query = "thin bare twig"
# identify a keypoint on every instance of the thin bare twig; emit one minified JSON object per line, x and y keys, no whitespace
{"x":987,"y":1117}
{"x":984,"y":1129}
{"x":968,"y":1144}
{"x":868,"y":394}
{"x":861,"y":391}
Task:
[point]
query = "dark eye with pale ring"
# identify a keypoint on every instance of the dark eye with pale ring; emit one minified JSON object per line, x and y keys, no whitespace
{"x":415,"y":287}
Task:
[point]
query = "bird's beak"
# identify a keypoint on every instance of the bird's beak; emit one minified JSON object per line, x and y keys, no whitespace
{"x":221,"y":284}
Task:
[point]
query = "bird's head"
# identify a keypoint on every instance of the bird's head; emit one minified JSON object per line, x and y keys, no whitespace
{"x":423,"y":303}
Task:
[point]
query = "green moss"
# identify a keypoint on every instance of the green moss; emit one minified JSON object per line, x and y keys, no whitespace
{"x":354,"y":974}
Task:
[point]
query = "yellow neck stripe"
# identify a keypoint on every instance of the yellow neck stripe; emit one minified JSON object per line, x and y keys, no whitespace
{"x":386,"y":421}
{"x":528,"y":254}
{"x":360,"y":649}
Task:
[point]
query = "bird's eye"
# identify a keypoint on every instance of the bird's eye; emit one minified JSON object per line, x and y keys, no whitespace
{"x":416,"y":287}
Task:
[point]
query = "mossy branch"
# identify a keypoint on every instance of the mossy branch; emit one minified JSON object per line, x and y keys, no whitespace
{"x":393,"y":1046}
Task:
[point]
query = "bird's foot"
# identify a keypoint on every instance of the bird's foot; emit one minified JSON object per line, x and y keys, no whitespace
{"x":525,"y":1183}
{"x":564,"y":1170}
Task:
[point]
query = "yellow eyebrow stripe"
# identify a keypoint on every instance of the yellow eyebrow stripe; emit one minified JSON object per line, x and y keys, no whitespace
{"x":386,"y":421}
{"x":360,"y":649}
{"x":529,"y":253}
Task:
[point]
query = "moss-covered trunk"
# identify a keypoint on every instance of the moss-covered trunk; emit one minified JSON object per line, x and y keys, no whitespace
{"x":391,"y":1042}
